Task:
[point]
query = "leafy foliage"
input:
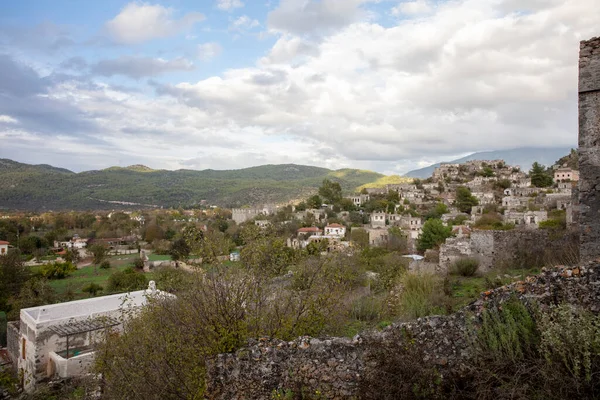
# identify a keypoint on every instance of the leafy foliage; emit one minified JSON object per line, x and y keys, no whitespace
{"x":42,"y":187}
{"x":539,"y":176}
{"x":126,"y":280}
{"x":57,"y":270}
{"x":464,"y":199}
{"x":434,"y":233}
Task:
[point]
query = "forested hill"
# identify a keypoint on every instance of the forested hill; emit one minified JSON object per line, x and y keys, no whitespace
{"x":43,"y":187}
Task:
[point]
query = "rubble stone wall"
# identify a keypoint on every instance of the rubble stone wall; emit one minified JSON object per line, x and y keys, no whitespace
{"x":589,"y":148}
{"x":332,"y":368}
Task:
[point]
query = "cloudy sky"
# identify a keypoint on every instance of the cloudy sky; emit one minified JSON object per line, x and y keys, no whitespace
{"x":385,"y":85}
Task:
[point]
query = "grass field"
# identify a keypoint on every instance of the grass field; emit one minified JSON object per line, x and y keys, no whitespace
{"x":90,"y":274}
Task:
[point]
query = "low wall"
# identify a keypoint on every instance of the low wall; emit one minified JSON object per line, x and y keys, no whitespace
{"x":333,"y":368}
{"x":72,"y":367}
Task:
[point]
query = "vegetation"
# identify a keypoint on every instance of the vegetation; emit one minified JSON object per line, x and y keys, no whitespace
{"x":41,"y":187}
{"x":465,"y":267}
{"x":465,"y":200}
{"x":540,"y":176}
{"x":434,"y":234}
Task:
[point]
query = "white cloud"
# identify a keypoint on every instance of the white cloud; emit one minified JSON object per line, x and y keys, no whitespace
{"x":208,"y":51}
{"x":7,"y":119}
{"x":411,"y":8}
{"x":469,"y":75}
{"x":137,"y":67}
{"x":139,"y":22}
{"x":229,"y":5}
{"x":300,"y":17}
{"x":244,"y":22}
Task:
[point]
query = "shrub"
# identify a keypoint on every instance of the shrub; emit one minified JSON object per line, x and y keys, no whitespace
{"x":465,"y":267}
{"x":57,"y":270}
{"x":571,"y":337}
{"x":138,"y":263}
{"x":92,"y":289}
{"x":126,"y":280}
{"x":422,"y":295}
{"x":507,"y":332}
{"x":366,"y":309}
{"x":105,"y":264}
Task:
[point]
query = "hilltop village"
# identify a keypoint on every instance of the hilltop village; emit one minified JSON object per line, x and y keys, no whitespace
{"x":467,"y":221}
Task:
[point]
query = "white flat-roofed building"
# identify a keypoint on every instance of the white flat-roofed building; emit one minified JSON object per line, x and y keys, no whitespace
{"x":58,"y":339}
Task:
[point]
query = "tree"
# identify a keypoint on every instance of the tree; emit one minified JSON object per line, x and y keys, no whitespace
{"x":57,"y":270}
{"x":179,"y":250}
{"x":330,"y":191}
{"x":314,"y":201}
{"x":99,"y":252}
{"x":126,"y":280}
{"x":539,"y":176}
{"x":13,"y":275}
{"x":268,"y":255}
{"x":437,"y":212}
{"x":465,"y":200}
{"x":35,"y":292}
{"x":360,"y":237}
{"x":434,"y":234}
{"x":397,"y":240}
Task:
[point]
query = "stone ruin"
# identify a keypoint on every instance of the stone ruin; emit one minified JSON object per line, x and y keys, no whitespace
{"x":589,"y":149}
{"x":334,"y":367}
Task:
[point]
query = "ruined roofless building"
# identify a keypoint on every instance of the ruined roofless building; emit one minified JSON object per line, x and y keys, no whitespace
{"x":589,"y":149}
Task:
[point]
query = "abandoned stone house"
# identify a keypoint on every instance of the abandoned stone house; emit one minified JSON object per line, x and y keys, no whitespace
{"x":378,"y":219}
{"x":566,"y":175}
{"x":484,"y":197}
{"x":360,"y":199}
{"x":529,"y":219}
{"x":57,"y":340}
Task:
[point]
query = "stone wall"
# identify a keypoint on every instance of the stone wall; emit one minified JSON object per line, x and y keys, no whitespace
{"x":589,"y":148}
{"x":332,"y":368}
{"x":12,"y":341}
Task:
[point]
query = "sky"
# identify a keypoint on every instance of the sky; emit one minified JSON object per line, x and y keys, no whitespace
{"x":384,"y":85}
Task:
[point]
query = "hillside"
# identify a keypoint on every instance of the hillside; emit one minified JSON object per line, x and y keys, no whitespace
{"x":523,"y":157}
{"x":43,"y":187}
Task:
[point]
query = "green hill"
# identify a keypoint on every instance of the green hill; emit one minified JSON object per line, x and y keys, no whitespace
{"x":43,"y":187}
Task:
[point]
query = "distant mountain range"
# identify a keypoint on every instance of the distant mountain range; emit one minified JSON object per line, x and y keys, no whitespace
{"x":44,"y":187}
{"x":523,"y":157}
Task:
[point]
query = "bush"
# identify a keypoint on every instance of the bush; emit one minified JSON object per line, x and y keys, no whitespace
{"x":138,"y":263}
{"x":105,"y":264}
{"x":507,"y":332}
{"x":366,"y":309}
{"x":422,"y":295}
{"x":57,"y":270}
{"x":465,"y":267}
{"x":126,"y":280}
{"x":92,"y":289}
{"x":571,"y":338}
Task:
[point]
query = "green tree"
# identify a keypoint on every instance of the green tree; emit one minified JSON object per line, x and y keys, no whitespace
{"x":464,"y":199}
{"x":99,"y":252}
{"x":314,"y":201}
{"x":268,"y":255}
{"x":179,"y":250}
{"x":437,"y":212}
{"x":434,"y":234}
{"x":331,"y":191}
{"x":360,"y":237}
{"x":539,"y":176}
{"x":13,"y":275}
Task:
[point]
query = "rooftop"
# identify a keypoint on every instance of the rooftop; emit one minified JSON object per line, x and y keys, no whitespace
{"x":86,"y":307}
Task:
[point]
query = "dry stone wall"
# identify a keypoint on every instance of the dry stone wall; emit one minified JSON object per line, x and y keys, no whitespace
{"x":332,"y":368}
{"x":589,"y":148}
